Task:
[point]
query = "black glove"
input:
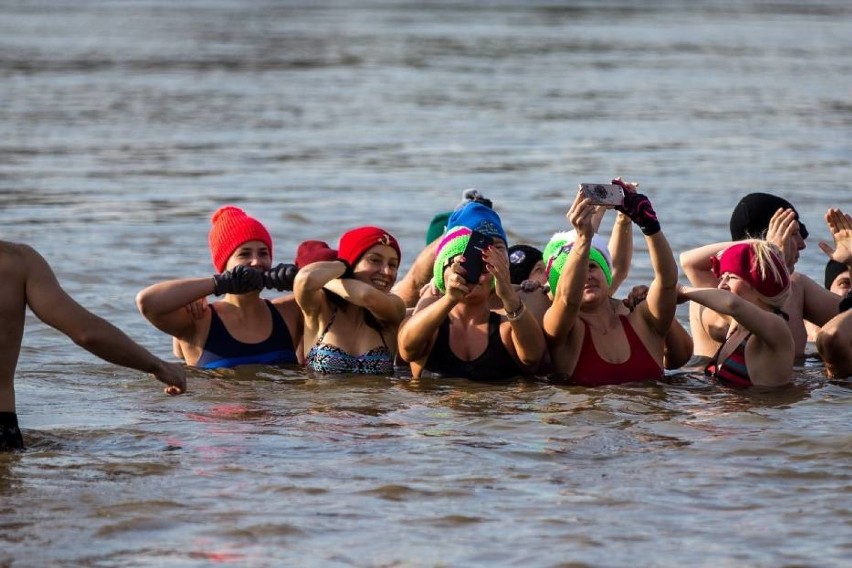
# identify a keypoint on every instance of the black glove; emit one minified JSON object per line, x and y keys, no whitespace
{"x":638,"y":208}
{"x":238,"y":280}
{"x":280,"y":277}
{"x":348,"y":273}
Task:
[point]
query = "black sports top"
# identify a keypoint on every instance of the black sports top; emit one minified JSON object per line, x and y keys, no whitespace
{"x":495,"y":362}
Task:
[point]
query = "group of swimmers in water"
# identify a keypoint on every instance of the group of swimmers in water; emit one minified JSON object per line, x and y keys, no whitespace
{"x":529,"y":312}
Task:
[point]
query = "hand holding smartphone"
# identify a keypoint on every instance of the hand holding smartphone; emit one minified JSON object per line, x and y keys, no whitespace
{"x":603,"y":193}
{"x":473,"y":263}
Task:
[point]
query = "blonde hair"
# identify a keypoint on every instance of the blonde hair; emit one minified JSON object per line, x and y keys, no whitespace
{"x":764,"y":251}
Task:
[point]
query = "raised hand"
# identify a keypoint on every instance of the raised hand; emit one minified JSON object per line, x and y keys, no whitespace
{"x":280,"y":277}
{"x":780,"y":232}
{"x":840,"y":225}
{"x":581,"y":215}
{"x":238,"y":280}
{"x":638,"y":207}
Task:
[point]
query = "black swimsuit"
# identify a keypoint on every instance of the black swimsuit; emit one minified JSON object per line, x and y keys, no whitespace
{"x":495,"y":363}
{"x":222,"y":350}
{"x":10,"y":434}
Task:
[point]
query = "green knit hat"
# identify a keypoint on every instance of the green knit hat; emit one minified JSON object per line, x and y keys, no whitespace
{"x":453,"y":244}
{"x":560,"y":245}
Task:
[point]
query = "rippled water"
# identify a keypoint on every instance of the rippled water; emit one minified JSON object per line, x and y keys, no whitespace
{"x":125,"y":124}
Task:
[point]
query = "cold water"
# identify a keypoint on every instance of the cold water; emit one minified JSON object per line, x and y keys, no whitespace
{"x":125,"y":124}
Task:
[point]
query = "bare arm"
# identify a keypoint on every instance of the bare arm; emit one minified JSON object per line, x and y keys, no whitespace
{"x":661,"y":303}
{"x":310,"y":281}
{"x":417,"y":334}
{"x":52,"y":305}
{"x":164,"y":304}
{"x":834,"y":343}
{"x":621,"y":248}
{"x":408,"y":288}
{"x":820,"y":305}
{"x":387,"y":308}
{"x":562,"y":315}
{"x":521,"y":331}
{"x":696,"y":264}
{"x":767,"y":326}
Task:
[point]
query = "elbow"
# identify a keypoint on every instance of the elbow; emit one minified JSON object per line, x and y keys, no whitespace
{"x":143,"y":303}
{"x":409,"y":349}
{"x":830,"y":342}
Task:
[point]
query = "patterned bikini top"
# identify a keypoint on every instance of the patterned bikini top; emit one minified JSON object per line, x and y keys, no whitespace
{"x":332,"y":360}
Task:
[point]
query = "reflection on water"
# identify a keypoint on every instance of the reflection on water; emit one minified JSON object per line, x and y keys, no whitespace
{"x":127,"y":124}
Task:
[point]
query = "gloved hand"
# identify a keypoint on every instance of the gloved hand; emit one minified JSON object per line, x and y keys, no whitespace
{"x":638,"y":208}
{"x":238,"y":280}
{"x":280,"y":277}
{"x":348,"y":273}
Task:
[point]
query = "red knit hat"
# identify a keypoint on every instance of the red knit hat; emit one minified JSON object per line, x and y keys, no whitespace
{"x":309,"y":252}
{"x":353,"y":244}
{"x":231,"y":228}
{"x":741,"y":259}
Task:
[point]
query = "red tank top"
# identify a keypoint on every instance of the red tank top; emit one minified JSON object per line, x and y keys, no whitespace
{"x":593,"y":371}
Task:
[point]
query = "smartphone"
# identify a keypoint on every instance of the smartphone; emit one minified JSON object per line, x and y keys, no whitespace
{"x":603,"y":193}
{"x":472,"y":254}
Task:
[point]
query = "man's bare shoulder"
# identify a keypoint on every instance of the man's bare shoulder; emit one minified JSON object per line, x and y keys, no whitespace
{"x":14,"y":257}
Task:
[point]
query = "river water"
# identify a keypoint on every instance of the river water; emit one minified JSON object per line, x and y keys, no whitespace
{"x":126,"y":123}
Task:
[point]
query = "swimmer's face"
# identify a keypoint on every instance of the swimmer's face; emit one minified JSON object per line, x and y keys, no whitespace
{"x":738,"y":286}
{"x":842,"y":284}
{"x":254,"y":254}
{"x":538,"y":273}
{"x":378,"y":267}
{"x":596,"y":287}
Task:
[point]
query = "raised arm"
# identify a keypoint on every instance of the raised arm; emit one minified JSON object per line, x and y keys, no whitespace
{"x":521,"y":331}
{"x":388,"y":308}
{"x":697,"y":267}
{"x":164,"y":304}
{"x":659,"y":307}
{"x":310,"y":281}
{"x":621,"y":248}
{"x":767,"y":326}
{"x":409,"y":286}
{"x":52,"y":305}
{"x":661,"y":302}
{"x":562,"y":315}
{"x":820,"y":304}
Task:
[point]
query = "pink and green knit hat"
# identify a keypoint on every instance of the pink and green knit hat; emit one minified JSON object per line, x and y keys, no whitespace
{"x":453,"y":244}
{"x":560,"y":245}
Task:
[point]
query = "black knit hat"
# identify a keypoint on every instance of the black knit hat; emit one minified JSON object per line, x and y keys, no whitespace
{"x":750,"y":218}
{"x":522,"y":258}
{"x":833,"y":269}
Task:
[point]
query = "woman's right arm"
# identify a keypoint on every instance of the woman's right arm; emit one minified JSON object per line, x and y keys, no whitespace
{"x":417,"y":334}
{"x":697,"y":267}
{"x":164,"y":304}
{"x":564,"y":311}
{"x":309,"y":282}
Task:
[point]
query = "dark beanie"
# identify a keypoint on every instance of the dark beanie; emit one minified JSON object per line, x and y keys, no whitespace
{"x":750,"y":218}
{"x":522,"y":258}
{"x":833,"y":269}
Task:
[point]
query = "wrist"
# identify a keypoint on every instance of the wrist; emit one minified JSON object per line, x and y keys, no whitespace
{"x":518,"y":313}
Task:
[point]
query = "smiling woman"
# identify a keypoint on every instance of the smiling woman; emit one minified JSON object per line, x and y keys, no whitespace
{"x":351,"y":318}
{"x":242,"y":328}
